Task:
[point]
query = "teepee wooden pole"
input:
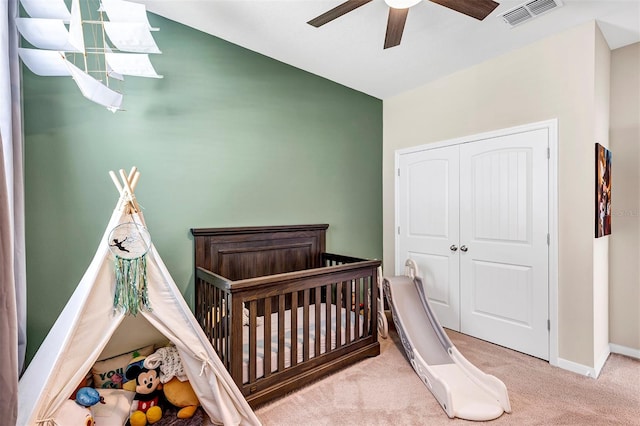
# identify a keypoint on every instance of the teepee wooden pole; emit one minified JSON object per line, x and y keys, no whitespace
{"x":132,"y":173}
{"x":125,"y":180}
{"x":134,"y":181}
{"x":127,"y":186}
{"x":114,"y":178}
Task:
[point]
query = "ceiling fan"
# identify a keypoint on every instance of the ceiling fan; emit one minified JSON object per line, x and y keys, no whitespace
{"x":399,"y":9}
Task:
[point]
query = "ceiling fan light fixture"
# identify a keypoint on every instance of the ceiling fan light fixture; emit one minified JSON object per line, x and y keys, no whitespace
{"x":399,"y":9}
{"x":401,"y":4}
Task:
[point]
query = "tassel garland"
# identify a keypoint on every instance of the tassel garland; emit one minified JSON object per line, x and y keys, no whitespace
{"x":131,"y":295}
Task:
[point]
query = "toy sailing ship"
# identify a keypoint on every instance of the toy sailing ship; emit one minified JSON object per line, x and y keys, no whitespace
{"x":122,"y":43}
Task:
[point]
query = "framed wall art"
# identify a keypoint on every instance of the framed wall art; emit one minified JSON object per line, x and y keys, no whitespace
{"x":603,"y":191}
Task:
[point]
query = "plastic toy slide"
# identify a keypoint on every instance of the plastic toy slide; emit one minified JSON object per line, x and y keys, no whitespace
{"x":460,"y":387}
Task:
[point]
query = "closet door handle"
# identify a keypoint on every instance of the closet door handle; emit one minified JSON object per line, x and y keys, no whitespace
{"x":464,"y":249}
{"x":453,"y":247}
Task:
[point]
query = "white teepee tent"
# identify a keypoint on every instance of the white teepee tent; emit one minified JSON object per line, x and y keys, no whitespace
{"x":89,"y":329}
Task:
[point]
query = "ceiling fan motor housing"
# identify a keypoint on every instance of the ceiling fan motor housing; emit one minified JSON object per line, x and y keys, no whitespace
{"x":401,"y":4}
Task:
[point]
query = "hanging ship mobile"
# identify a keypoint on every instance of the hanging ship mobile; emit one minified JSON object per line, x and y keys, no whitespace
{"x":122,"y":42}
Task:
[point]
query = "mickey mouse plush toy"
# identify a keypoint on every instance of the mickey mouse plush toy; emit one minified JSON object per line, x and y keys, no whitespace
{"x":145,"y":407}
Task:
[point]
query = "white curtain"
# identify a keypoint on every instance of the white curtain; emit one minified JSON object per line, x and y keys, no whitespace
{"x":12,"y":253}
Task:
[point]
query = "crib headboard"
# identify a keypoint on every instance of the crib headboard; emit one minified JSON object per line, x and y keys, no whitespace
{"x":247,"y":252}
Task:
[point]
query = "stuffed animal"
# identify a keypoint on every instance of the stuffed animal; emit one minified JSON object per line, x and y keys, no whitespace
{"x":176,"y":386}
{"x":181,"y":395}
{"x":145,"y":407}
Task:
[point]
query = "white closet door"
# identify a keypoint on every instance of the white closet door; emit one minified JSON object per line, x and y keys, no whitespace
{"x":503,"y":228}
{"x":428,"y":226}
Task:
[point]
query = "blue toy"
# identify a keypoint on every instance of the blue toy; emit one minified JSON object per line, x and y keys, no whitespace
{"x":88,"y":397}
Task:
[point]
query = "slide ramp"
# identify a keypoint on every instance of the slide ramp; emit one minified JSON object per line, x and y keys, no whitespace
{"x":462,"y":389}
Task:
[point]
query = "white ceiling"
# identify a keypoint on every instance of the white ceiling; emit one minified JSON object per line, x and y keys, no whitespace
{"x":436,"y":41}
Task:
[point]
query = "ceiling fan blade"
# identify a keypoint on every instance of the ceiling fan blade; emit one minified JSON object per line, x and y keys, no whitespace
{"x":478,"y":9}
{"x":395,"y":26}
{"x":337,"y":12}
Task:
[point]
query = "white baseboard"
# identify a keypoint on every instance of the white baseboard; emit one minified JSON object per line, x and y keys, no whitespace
{"x":594,"y":372}
{"x":577,"y":368}
{"x":623,"y":350}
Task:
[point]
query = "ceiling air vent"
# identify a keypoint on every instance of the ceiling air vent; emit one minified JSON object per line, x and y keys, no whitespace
{"x":529,"y":10}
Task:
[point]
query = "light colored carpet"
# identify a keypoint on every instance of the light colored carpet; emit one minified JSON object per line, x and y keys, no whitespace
{"x":385,"y":390}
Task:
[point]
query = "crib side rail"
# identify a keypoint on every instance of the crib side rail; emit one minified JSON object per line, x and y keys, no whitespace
{"x":214,"y":308}
{"x":262,"y":286}
{"x":330,"y":314}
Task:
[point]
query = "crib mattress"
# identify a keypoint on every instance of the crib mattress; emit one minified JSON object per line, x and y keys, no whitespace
{"x":260,"y":339}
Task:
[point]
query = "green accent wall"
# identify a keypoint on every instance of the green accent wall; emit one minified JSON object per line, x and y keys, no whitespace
{"x":227,"y":138}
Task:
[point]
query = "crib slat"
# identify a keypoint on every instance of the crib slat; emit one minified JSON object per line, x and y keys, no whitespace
{"x":253,"y":331}
{"x":348,"y":308}
{"x":338,"y":314}
{"x":214,"y":313}
{"x":368,"y":300}
{"x":223,"y":327}
{"x":356,"y":327}
{"x":305,"y":326}
{"x":223,"y":322}
{"x":235,"y":336}
{"x":266,"y":360}
{"x":281,"y":309}
{"x":327,"y":317}
{"x":215,"y":332}
{"x":209,"y":312}
{"x":202,"y":300}
{"x":226,"y":329}
{"x":224,"y":343}
{"x":216,"y":322}
{"x":318,"y":330}
{"x":373,"y":312}
{"x":294,"y":328}
{"x":201,"y":305}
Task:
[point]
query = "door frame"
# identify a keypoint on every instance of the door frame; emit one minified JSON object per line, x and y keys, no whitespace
{"x":552,"y":131}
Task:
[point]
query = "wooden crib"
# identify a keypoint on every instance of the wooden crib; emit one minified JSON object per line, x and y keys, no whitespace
{"x":243,"y":274}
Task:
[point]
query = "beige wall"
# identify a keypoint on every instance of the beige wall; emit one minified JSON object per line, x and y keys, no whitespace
{"x":601,"y":245}
{"x":624,"y":284}
{"x":553,"y":78}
